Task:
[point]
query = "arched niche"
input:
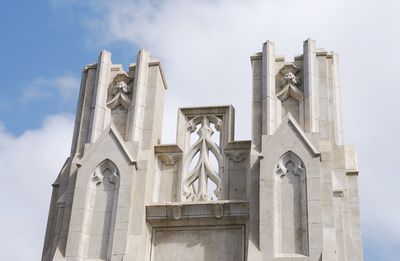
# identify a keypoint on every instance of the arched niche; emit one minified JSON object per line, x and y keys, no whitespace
{"x":101,"y":209}
{"x":291,"y":221}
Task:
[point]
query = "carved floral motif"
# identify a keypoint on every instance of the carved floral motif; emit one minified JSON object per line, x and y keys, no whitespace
{"x":121,"y":87}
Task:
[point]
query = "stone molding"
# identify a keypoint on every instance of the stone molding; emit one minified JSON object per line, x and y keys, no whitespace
{"x":168,"y":154}
{"x":226,"y":210}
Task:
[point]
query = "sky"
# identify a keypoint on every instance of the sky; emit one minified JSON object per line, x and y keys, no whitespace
{"x":204,"y":47}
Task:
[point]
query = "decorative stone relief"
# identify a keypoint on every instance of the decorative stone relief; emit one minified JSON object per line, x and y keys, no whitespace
{"x":110,"y":171}
{"x":289,"y":84}
{"x":291,"y":206}
{"x":338,"y":193}
{"x":218,"y":210}
{"x":120,"y":94}
{"x":237,"y":155}
{"x":169,"y":159}
{"x":119,"y":100}
{"x":290,"y":163}
{"x":168,"y":154}
{"x":177,"y":212}
{"x":195,"y":186}
{"x":289,"y":93}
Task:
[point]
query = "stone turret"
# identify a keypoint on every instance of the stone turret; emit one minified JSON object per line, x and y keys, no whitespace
{"x":307,"y":203}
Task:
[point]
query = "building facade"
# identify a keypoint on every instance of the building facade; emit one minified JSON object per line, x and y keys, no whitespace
{"x":290,"y":193}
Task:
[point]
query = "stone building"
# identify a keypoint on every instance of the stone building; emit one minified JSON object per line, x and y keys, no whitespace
{"x":290,"y":193}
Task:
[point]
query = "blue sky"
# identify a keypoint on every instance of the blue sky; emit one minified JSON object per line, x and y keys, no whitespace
{"x":41,"y":42}
{"x":45,"y":45}
{"x":37,"y":42}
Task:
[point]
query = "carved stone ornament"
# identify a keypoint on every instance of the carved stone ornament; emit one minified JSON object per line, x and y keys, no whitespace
{"x":105,"y":170}
{"x":237,"y":156}
{"x":203,"y":170}
{"x":121,"y":87}
{"x":97,"y":176}
{"x":169,"y":159}
{"x":120,"y":92}
{"x":290,"y":162}
{"x":338,"y":193}
{"x":177,"y":212}
{"x":218,"y":210}
{"x":289,"y":83}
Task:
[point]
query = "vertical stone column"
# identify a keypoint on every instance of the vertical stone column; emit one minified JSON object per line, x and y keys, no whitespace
{"x":354,"y":217}
{"x":100,"y":96}
{"x":136,"y":111}
{"x":268,"y":89}
{"x":79,"y":113}
{"x":310,"y":87}
{"x":256,"y":125}
{"x":143,"y":133}
{"x":337,"y":100}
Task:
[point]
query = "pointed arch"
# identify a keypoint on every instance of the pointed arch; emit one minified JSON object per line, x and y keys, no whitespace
{"x":106,"y":169}
{"x":290,"y":206}
{"x":99,"y":223}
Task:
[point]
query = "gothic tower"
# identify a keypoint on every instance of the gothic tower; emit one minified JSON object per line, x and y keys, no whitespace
{"x":290,"y":193}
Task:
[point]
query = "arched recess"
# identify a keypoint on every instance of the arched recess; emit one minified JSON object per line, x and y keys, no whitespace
{"x":291,"y":230}
{"x":103,"y":189}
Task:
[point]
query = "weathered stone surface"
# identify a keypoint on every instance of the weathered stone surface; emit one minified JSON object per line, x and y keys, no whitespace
{"x":289,"y":193}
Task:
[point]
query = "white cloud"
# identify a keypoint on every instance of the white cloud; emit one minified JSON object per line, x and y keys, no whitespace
{"x":29,"y":164}
{"x":64,"y":86}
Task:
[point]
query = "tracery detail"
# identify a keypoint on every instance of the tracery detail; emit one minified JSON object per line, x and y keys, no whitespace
{"x":107,"y":169}
{"x":290,"y":162}
{"x":100,"y":213}
{"x":195,"y":186}
{"x":291,"y":206}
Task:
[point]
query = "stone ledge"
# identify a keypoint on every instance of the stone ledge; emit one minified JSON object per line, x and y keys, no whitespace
{"x":238,"y":145}
{"x":198,"y":213}
{"x":167,"y":148}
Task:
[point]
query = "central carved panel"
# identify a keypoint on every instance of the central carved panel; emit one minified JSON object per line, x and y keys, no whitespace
{"x":203,"y":176}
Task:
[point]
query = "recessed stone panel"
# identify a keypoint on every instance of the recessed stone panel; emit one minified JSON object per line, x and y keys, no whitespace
{"x":218,"y":243}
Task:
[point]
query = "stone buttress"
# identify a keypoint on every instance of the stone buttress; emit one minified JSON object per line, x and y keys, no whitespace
{"x":288,"y":194}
